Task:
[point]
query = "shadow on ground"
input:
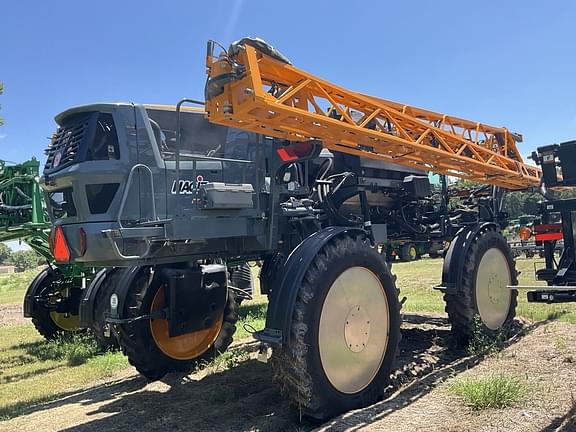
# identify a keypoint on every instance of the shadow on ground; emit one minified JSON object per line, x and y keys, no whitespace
{"x":566,"y":423}
{"x":244,"y":398}
{"x":427,"y":358}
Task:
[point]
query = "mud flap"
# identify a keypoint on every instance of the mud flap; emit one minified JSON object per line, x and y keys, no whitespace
{"x":288,"y":281}
{"x":453,"y":266}
{"x":33,"y":290}
{"x":90,"y":294}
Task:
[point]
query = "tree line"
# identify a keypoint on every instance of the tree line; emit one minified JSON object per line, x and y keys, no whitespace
{"x":518,"y":203}
{"x":21,"y":260}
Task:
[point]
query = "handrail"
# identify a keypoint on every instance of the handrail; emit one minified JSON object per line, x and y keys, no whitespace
{"x":127,"y":188}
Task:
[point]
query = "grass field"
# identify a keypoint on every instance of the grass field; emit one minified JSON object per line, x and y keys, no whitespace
{"x":12,"y":286}
{"x":416,"y":281}
{"x":32,"y":370}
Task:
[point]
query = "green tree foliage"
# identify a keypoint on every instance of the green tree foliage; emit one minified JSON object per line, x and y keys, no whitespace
{"x":521,"y":203}
{"x":567,"y":194}
{"x":515,"y":203}
{"x":465,"y":184}
{"x":25,"y":260}
{"x":524,"y":203}
{"x":5,"y":254}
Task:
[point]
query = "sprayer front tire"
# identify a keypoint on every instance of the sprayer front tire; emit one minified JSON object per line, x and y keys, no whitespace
{"x":101,"y":306}
{"x":344,"y":334}
{"x":488,"y":269}
{"x":408,"y":252}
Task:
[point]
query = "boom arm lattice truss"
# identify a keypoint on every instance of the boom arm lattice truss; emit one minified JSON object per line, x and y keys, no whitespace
{"x":256,"y":90}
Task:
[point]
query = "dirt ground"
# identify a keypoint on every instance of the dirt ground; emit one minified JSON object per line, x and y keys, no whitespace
{"x":11,"y":315}
{"x":243,"y":398}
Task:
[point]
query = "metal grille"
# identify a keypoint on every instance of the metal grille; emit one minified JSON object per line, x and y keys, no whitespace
{"x":65,"y":143}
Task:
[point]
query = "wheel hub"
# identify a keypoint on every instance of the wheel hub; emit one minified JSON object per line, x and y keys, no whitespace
{"x":495,"y":288}
{"x":353,"y":330}
{"x":357,"y":329}
{"x":65,"y":321}
{"x":493,"y":298}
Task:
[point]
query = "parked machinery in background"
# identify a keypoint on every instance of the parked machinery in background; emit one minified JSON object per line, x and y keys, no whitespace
{"x":424,"y":220}
{"x":555,"y":225}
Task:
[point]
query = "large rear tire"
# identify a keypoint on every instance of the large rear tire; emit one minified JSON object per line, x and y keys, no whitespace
{"x":147,"y":344}
{"x":488,"y":268}
{"x":344,"y":334}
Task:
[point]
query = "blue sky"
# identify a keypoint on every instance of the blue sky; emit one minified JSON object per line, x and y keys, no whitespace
{"x":507,"y":63}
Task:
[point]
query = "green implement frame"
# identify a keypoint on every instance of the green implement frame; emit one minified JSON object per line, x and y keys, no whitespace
{"x":23,"y":215}
{"x":53,"y":296}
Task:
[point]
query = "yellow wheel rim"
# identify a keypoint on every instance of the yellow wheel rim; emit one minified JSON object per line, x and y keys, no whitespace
{"x":413,"y":252}
{"x":184,"y":347}
{"x":65,"y":321}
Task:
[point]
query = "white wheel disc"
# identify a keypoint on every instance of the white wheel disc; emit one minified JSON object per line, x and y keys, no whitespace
{"x":353,"y":332}
{"x":492,"y":295}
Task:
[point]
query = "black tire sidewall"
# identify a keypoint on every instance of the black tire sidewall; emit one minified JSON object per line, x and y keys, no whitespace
{"x":338,"y":401}
{"x":405,"y":252}
{"x":101,"y":306}
{"x":141,"y":329}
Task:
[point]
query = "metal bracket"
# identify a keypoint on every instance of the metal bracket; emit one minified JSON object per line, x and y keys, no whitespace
{"x":543,"y":287}
{"x":447,"y":288}
{"x":158,"y":314}
{"x":136,"y":231}
{"x":127,"y":189}
{"x":269,"y":336}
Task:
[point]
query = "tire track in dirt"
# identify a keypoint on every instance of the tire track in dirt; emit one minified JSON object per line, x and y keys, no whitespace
{"x":243,"y":398}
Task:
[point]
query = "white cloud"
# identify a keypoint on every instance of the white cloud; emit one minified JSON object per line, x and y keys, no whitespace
{"x":2,"y":136}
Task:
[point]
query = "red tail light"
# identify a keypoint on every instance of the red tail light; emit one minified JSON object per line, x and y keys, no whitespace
{"x":297,"y":151}
{"x":286,"y":155}
{"x":60,"y":249}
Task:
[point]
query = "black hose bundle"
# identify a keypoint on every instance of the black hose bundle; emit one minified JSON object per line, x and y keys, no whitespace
{"x":326,"y":186}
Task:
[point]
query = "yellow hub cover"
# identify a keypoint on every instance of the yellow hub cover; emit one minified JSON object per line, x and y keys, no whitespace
{"x":65,"y":321}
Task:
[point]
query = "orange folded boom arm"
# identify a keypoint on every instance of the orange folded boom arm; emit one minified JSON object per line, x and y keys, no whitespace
{"x":260,"y":92}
